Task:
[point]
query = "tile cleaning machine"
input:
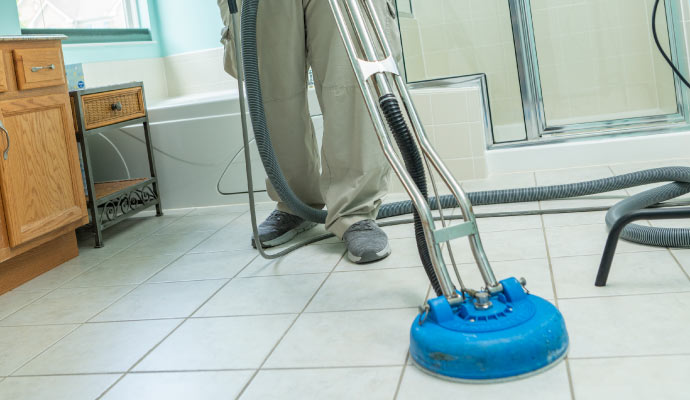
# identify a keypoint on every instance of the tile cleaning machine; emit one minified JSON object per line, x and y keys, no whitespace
{"x":501,"y":331}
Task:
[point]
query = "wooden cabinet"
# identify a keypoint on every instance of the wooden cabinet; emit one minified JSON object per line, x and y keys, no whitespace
{"x":41,"y":177}
{"x":3,"y":78}
{"x":42,"y":195}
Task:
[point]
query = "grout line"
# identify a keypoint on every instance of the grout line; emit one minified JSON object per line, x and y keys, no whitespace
{"x":251,"y":379}
{"x":171,"y":332}
{"x":78,"y":325}
{"x":632,"y":356}
{"x":67,"y":374}
{"x":361,"y":310}
{"x":624,"y":295}
{"x":332,"y":367}
{"x":211,"y":317}
{"x":46,"y":349}
{"x":680,"y":265}
{"x":49,"y":291}
{"x":97,"y":264}
{"x":555,"y":295}
{"x":402,"y":376}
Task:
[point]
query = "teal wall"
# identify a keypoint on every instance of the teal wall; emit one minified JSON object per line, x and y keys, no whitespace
{"x":188,"y":26}
{"x":177,"y":26}
{"x":86,"y":53}
{"x":9,"y":19}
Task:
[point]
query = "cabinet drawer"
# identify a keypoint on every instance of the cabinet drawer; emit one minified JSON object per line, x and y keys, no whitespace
{"x":107,"y":108}
{"x":37,"y":68}
{"x":3,"y":78}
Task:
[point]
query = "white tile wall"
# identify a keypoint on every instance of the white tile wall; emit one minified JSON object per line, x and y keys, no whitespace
{"x":451,"y":38}
{"x":197,"y":72}
{"x":172,"y":76}
{"x":452,"y":118}
{"x":149,"y":70}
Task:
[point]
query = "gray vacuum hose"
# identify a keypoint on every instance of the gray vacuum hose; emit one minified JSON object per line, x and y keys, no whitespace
{"x":646,"y":235}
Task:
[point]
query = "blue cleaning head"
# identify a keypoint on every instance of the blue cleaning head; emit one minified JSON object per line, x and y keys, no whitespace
{"x":506,"y":336}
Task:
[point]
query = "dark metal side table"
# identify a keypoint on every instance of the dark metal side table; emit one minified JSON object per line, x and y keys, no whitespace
{"x":95,"y":110}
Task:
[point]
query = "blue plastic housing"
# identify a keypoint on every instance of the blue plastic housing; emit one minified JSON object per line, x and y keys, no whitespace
{"x":519,"y":335}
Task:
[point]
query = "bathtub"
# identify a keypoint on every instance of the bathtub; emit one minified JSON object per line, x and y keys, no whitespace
{"x":195,"y":138}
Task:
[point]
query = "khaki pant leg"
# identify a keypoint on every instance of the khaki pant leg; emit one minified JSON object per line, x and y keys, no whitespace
{"x":283,"y":70}
{"x":355,"y":173}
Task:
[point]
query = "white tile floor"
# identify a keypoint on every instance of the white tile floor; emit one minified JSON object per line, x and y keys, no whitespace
{"x":180,"y":307}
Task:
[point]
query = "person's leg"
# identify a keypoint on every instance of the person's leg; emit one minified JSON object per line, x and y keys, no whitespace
{"x":355,"y":173}
{"x":283,"y":71}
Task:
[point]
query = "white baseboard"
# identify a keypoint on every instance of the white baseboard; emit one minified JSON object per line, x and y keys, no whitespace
{"x":618,"y":150}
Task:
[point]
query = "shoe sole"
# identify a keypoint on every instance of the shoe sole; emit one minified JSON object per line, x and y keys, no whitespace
{"x":369,"y":258}
{"x":287,"y":236}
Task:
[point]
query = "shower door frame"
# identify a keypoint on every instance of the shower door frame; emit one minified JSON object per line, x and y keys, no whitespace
{"x":538,"y":130}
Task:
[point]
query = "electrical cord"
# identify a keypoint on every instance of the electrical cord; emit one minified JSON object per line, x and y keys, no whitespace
{"x":661,"y":49}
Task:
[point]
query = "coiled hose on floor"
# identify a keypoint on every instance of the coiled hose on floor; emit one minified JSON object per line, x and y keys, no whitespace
{"x":663,"y":237}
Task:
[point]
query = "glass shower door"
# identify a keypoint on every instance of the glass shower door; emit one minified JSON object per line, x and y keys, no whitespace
{"x":556,"y":68}
{"x":598,"y":66}
{"x":451,"y":38}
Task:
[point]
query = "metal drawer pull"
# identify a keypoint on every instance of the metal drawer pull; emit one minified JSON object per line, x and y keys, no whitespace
{"x":6,"y":153}
{"x":36,"y":69}
{"x":116,"y":106}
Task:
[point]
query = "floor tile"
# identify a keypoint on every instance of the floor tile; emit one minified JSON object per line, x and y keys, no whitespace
{"x":506,"y":246}
{"x":83,"y":387}
{"x":509,"y":223}
{"x":232,"y":208}
{"x":583,"y":240}
{"x":628,"y":325}
{"x":177,"y":244}
{"x":572,"y":175}
{"x":263,"y":295}
{"x":635,"y":378}
{"x":198,"y":223}
{"x":585,"y":202}
{"x":310,"y":259}
{"x":180,"y":386}
{"x":202,"y":266}
{"x":20,"y":344}
{"x":404,"y":254}
{"x":501,"y":181}
{"x":683,"y":257}
{"x":536,"y":272}
{"x":115,"y":238}
{"x":403,"y":231}
{"x":634,"y":167}
{"x":14,"y":300}
{"x":345,"y":339}
{"x":376,"y":289}
{"x":672,"y":223}
{"x":58,"y":276}
{"x":67,"y":306}
{"x":482,"y":211}
{"x":161,"y":300}
{"x":551,"y":385}
{"x":122,"y":271}
{"x":235,"y":236}
{"x":631,"y":273}
{"x":141,"y":225}
{"x":317,"y":384}
{"x":100,"y":348}
{"x":218,"y":343}
{"x":570,"y":219}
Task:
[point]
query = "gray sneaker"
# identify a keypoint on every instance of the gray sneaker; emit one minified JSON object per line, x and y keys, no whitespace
{"x":366,"y":242}
{"x":280,"y":227}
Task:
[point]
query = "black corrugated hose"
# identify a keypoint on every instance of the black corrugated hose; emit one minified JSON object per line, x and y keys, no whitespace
{"x":415,"y":166}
